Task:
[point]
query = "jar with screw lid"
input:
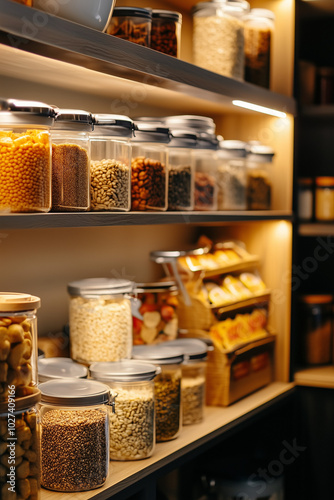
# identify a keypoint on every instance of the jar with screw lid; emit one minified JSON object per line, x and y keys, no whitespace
{"x":55,"y":368}
{"x":232,"y":175}
{"x":166,"y":32}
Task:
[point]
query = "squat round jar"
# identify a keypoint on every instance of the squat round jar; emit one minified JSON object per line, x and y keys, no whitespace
{"x":100,"y":319}
{"x":324,"y":198}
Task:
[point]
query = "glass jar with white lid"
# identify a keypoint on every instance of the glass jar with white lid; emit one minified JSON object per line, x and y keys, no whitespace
{"x":259,"y":176}
{"x":58,"y":367}
{"x":232,"y":175}
{"x":132,"y":421}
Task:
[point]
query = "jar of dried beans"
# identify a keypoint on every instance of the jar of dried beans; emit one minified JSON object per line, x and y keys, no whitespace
{"x":71,"y":160}
{"x":25,"y":156}
{"x":132,"y":423}
{"x":149,"y":167}
{"x":132,"y":24}
{"x":100,"y":319}
{"x":166,"y":32}
{"x":74,"y":434}
{"x":110,"y":167}
{"x":232,"y":175}
{"x":259,"y":183}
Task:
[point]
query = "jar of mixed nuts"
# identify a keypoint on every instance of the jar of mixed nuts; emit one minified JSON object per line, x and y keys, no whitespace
{"x":259,"y":183}
{"x":132,"y":421}
{"x":25,"y":156}
{"x":18,"y":344}
{"x":232,"y":175}
{"x":51,"y":368}
{"x":20,"y":447}
{"x":132,"y":24}
{"x":167,"y":387}
{"x":71,"y":160}
{"x":110,"y":166}
{"x":100,"y":319}
{"x":149,"y":165}
{"x":166,"y":32}
{"x":74,"y":434}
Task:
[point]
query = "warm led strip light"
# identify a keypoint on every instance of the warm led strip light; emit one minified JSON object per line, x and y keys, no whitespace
{"x":260,"y":109}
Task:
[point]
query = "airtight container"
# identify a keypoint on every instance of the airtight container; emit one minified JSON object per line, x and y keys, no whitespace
{"x":110,"y":168}
{"x":18,"y":344}
{"x":20,"y":447}
{"x":324,"y":198}
{"x":232,"y":175}
{"x":167,"y":387}
{"x":259,"y":176}
{"x":25,"y":156}
{"x":205,"y":185}
{"x":54,"y":368}
{"x":74,"y":434}
{"x":100,"y":319}
{"x":305,"y":198}
{"x":132,"y":24}
{"x":166,"y":32}
{"x":132,"y":422}
{"x":71,"y":160}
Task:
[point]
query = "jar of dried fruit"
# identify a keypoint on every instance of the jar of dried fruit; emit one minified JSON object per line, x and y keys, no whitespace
{"x":166,"y":32}
{"x":132,"y":24}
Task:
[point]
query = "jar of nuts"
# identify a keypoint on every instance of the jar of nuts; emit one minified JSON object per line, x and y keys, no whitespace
{"x":167,"y":387}
{"x":18,"y":344}
{"x":259,"y":183}
{"x":166,"y":32}
{"x":149,"y":167}
{"x":232,"y":175}
{"x":110,"y":167}
{"x":20,"y":447}
{"x":132,"y":24}
{"x":132,"y":422}
{"x":25,"y":156}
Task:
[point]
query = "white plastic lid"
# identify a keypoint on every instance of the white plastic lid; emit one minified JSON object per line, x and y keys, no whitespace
{"x":126,"y":370}
{"x":92,"y":287}
{"x":74,"y":392}
{"x":50,"y":368}
{"x":193,"y":348}
{"x":11,"y":302}
{"x":160,"y":354}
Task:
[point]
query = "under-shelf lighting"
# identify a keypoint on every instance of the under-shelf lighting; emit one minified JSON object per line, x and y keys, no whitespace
{"x":260,"y":109}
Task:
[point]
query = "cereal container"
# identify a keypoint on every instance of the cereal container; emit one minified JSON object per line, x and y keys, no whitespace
{"x":51,"y":368}
{"x":167,"y":387}
{"x":100,"y":319}
{"x":132,"y":24}
{"x":74,"y":434}
{"x":132,"y":421}
{"x":18,"y":344}
{"x":154,"y":312}
{"x":71,"y":160}
{"x":110,"y":168}
{"x":20,"y":447}
{"x":25,"y":156}
{"x":166,"y":32}
{"x":232,"y":175}
{"x":149,"y":165}
{"x":259,"y":183}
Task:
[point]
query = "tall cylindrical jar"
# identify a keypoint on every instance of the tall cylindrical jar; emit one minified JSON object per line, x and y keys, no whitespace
{"x":20,"y":447}
{"x":305,"y":198}
{"x":259,"y":28}
{"x":259,"y":176}
{"x":71,"y":160}
{"x":100,"y":319}
{"x":232,"y":175}
{"x":166,"y":32}
{"x":110,"y":167}
{"x":167,"y":387}
{"x":218,"y":36}
{"x":132,"y":420}
{"x":74,"y":434}
{"x":25,"y":156}
{"x":324,"y":198}
{"x":18,"y":344}
{"x":205,"y":185}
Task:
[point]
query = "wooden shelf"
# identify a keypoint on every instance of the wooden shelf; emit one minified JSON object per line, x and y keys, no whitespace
{"x":193,"y":439}
{"x":319,"y":376}
{"x":316,"y":229}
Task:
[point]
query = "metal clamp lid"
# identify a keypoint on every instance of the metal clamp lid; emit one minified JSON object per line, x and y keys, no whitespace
{"x":17,"y":111}
{"x":113,"y":125}
{"x":73,"y":119}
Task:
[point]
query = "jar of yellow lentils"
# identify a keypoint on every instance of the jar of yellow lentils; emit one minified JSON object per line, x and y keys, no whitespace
{"x":25,"y":156}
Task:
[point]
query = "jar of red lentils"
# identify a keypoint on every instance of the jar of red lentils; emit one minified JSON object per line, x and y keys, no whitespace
{"x":25,"y":156}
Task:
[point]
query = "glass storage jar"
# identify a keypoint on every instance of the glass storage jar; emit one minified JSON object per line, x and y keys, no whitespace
{"x":100,"y":319}
{"x":166,"y":32}
{"x":18,"y":344}
{"x":20,"y":447}
{"x":205,"y":185}
{"x":259,"y":183}
{"x":154,"y":312}
{"x":259,"y":28}
{"x":218,"y":36}
{"x":25,"y":156}
{"x":132,"y":421}
{"x":74,"y":434}
{"x":167,"y":387}
{"x":232,"y":175}
{"x":305,"y":198}
{"x":132,"y":24}
{"x":110,"y":167}
{"x":71,"y":160}
{"x":324,"y":198}
{"x":51,"y":368}
{"x":149,"y":168}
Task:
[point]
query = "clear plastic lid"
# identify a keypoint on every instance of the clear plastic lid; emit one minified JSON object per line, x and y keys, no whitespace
{"x":73,"y":119}
{"x":123,"y":371}
{"x":61,"y":368}
{"x":17,"y":111}
{"x":12,"y":302}
{"x":192,"y":348}
{"x":74,"y":392}
{"x":99,"y":286}
{"x":160,"y":354}
{"x":113,"y":125}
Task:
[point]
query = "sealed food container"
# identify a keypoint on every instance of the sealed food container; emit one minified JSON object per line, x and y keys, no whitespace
{"x":74,"y":434}
{"x":25,"y":156}
{"x":167,"y":387}
{"x":154,"y":312}
{"x":232,"y":175}
{"x":20,"y":447}
{"x":132,"y":24}
{"x":110,"y":167}
{"x":259,"y":28}
{"x":100,"y":319}
{"x":18,"y":344}
{"x":305,"y":198}
{"x":193,"y":379}
{"x":51,"y":368}
{"x":205,"y":186}
{"x":324,"y":198}
{"x":71,"y":160}
{"x":218,"y":36}
{"x":259,"y":183}
{"x":149,"y":167}
{"x":132,"y":421}
{"x":166,"y":32}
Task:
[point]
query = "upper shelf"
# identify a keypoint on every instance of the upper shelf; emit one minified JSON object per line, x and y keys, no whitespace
{"x":45,"y":49}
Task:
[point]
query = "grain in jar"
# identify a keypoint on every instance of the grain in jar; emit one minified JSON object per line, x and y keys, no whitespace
{"x":324,"y":198}
{"x":232,"y":175}
{"x":132,"y":24}
{"x":259,"y":183}
{"x":166,"y":32}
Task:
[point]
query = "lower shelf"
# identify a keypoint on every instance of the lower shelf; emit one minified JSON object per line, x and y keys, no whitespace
{"x":319,"y":376}
{"x":217,"y":422}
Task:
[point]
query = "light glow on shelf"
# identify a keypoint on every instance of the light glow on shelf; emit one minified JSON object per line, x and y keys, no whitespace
{"x":259,"y":109}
